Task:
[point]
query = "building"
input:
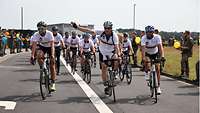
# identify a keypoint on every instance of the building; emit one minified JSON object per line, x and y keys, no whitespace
{"x":66,"y":27}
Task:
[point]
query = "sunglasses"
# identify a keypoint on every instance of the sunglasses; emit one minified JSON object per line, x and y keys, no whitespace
{"x":150,"y":32}
{"x":107,"y":27}
{"x":41,"y":28}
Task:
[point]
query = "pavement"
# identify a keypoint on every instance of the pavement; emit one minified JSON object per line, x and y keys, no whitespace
{"x":20,"y":93}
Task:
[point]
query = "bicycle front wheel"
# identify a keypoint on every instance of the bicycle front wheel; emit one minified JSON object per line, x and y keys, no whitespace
{"x":44,"y":85}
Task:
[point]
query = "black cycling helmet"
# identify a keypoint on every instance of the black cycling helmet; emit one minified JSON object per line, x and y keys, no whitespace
{"x":125,"y":34}
{"x":54,"y":28}
{"x":107,"y":24}
{"x":41,"y":24}
{"x":149,"y":29}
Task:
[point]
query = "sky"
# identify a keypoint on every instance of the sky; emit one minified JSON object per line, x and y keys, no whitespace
{"x":165,"y":15}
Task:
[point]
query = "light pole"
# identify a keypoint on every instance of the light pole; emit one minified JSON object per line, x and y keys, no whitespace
{"x":22,"y":18}
{"x":134,"y":15}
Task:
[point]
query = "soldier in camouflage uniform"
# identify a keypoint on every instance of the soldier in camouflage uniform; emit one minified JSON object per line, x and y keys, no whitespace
{"x":186,"y":48}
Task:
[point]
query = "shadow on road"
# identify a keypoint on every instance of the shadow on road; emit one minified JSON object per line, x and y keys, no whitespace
{"x":67,"y":82}
{"x":140,"y":100}
{"x":166,"y":79}
{"x":34,"y":97}
{"x":27,"y":70}
{"x":74,"y":100}
{"x":187,"y":86}
{"x":187,"y":94}
{"x":30,"y":80}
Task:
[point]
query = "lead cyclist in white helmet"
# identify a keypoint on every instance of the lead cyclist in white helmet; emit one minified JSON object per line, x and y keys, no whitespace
{"x":108,"y":46}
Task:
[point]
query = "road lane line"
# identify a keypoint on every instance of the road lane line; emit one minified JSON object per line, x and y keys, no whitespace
{"x":9,"y":105}
{"x":97,"y":102}
{"x":180,"y":81}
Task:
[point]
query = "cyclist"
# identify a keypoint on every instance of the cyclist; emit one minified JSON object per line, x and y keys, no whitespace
{"x":96,"y":46}
{"x":151,"y":45}
{"x":86,"y":45}
{"x":45,"y":39}
{"x":67,"y":44}
{"x":74,"y":44}
{"x":58,"y":42}
{"x":126,"y":44}
{"x":66,"y":39}
{"x":108,"y":46}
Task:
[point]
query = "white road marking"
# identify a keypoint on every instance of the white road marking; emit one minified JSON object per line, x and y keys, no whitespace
{"x":180,"y":81}
{"x":97,"y":102}
{"x":9,"y":105}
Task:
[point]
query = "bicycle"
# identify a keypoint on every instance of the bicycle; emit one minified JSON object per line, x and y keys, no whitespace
{"x":45,"y":78}
{"x":153,"y":83}
{"x":74,"y":61}
{"x":67,"y":56}
{"x":86,"y":71}
{"x":111,"y":76}
{"x":126,"y":68}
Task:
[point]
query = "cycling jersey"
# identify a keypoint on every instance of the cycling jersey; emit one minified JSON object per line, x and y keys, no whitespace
{"x":95,"y":41}
{"x":107,"y":44}
{"x":57,"y":40}
{"x":66,"y":41}
{"x":43,"y":40}
{"x":126,"y":45}
{"x":151,"y":44}
{"x":86,"y":45}
{"x":74,"y":42}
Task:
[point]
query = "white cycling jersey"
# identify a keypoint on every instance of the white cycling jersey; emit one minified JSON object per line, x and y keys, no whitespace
{"x":106,"y":46}
{"x":151,"y":45}
{"x":58,"y":38}
{"x":95,"y":41}
{"x":86,"y":45}
{"x":43,"y":40}
{"x":74,"y":42}
{"x":66,"y":40}
{"x":126,"y":45}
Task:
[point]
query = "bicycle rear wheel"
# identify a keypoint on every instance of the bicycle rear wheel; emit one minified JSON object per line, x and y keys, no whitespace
{"x":129,"y":74}
{"x":44,"y":84}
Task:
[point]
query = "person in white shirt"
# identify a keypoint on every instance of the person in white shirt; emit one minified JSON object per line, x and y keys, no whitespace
{"x":151,"y":45}
{"x":108,"y":46}
{"x":67,"y":45}
{"x":74,"y":44}
{"x":126,"y":44}
{"x":45,"y":39}
{"x":58,"y":42}
{"x":86,"y":47}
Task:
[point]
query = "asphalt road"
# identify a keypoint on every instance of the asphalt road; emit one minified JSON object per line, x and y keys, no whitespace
{"x":19,"y":82}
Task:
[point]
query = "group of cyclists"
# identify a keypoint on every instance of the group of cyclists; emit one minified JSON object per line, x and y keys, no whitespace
{"x":109,"y":44}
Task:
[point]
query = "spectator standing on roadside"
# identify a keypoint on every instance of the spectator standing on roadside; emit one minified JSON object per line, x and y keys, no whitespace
{"x":134,"y":46}
{"x":186,"y":48}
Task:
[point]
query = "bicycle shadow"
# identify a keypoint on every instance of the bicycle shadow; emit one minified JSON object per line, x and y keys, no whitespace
{"x":139,"y":100}
{"x":74,"y":100}
{"x":30,"y":80}
{"x":27,"y":70}
{"x":66,"y":82}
